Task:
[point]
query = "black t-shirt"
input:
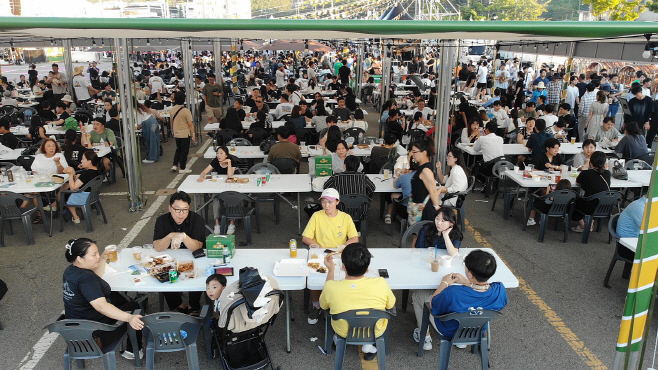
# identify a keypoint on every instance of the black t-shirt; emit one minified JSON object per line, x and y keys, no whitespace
{"x":250,"y":103}
{"x":216,"y":167}
{"x":334,"y":86}
{"x":472,"y":76}
{"x":242,"y":114}
{"x":9,"y":140}
{"x":257,"y":125}
{"x":582,"y":88}
{"x":114,"y":125}
{"x":395,"y":128}
{"x":81,"y":286}
{"x":193,"y":226}
{"x":344,"y":73}
{"x":76,"y":153}
{"x":540,"y":162}
{"x":64,"y":116}
{"x":48,"y":95}
{"x":592,"y":182}
{"x":48,"y":115}
{"x":87,"y":175}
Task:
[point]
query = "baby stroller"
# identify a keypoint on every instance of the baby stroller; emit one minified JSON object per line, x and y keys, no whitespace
{"x":240,"y":332}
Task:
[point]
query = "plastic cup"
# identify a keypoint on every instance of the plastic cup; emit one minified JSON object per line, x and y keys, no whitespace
{"x":446,"y":261}
{"x":315,"y":251}
{"x":573,"y":140}
{"x":415,"y":256}
{"x":387,"y":174}
{"x":112,"y":253}
{"x":137,"y":253}
{"x":516,"y":169}
{"x":435,"y":264}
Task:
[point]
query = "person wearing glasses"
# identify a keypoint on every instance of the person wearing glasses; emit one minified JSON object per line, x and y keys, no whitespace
{"x":180,"y":228}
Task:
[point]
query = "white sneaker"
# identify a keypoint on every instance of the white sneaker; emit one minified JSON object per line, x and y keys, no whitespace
{"x":461,"y":346}
{"x":231,"y":229}
{"x":131,"y":356}
{"x":531,"y":222}
{"x":427,"y":346}
{"x":184,"y":171}
{"x":216,"y":230}
{"x":174,"y":168}
{"x":147,"y":161}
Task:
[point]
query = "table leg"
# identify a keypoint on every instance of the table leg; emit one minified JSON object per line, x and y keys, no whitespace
{"x":299,"y":213}
{"x":287,"y":295}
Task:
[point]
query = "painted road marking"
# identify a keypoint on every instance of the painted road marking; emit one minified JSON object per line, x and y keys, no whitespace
{"x":567,"y":334}
{"x":32,"y":358}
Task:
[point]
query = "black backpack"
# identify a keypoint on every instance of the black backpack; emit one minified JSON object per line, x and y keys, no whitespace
{"x":266,"y":145}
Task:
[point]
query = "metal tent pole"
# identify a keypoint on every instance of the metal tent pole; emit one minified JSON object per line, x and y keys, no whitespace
{"x":68,"y":65}
{"x":386,"y":75}
{"x":442,"y":120}
{"x":188,"y":72}
{"x":136,"y":200}
{"x":358,"y":71}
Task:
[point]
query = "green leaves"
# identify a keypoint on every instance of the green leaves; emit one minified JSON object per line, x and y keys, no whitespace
{"x":616,"y":10}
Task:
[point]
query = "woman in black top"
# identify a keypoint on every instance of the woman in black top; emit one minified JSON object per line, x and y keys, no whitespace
{"x":334,"y":136}
{"x":592,"y":181}
{"x":424,"y":195}
{"x":36,"y":132}
{"x":88,"y":297}
{"x":551,"y":160}
{"x":73,"y":150}
{"x":223,"y":165}
{"x":88,"y":171}
{"x":231,"y":121}
{"x":519,"y":93}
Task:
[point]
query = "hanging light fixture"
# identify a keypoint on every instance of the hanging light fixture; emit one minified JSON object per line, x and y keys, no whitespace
{"x":102,"y":42}
{"x":52,"y":42}
{"x":647,"y":49}
{"x":93,"y":42}
{"x":148,"y":42}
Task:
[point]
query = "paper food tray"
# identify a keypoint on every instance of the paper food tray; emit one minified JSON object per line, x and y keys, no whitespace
{"x":290,"y":267}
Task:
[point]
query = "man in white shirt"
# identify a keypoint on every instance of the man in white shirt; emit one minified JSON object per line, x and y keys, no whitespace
{"x":482,"y":79}
{"x":311,"y":72}
{"x":82,"y":86}
{"x":548,"y":116}
{"x":428,"y":113}
{"x":500,"y":115}
{"x":491,"y":146}
{"x":293,"y":94}
{"x":426,"y":82}
{"x":281,"y":76}
{"x":156,"y":84}
{"x":572,"y":93}
{"x":284,"y":107}
{"x":646,"y":87}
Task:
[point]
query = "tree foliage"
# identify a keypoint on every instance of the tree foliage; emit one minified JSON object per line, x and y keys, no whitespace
{"x":616,"y":10}
{"x":517,"y":10}
{"x":562,"y":10}
{"x":275,"y":5}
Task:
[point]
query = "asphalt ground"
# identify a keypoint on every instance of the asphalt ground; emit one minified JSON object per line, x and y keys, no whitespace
{"x":561,"y":316}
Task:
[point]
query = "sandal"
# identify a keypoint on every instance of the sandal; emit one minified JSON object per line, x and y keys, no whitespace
{"x":387,"y":219}
{"x":37,"y":220}
{"x":577,"y":229}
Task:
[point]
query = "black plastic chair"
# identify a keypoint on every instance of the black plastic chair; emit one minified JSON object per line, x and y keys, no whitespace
{"x":606,"y":202}
{"x":83,"y":116}
{"x":470,"y":332}
{"x":461,"y":200}
{"x":416,"y":135}
{"x":357,"y":206}
{"x":10,"y":211}
{"x":264,"y":168}
{"x":506,"y":186}
{"x":487,"y":180}
{"x":361,"y":330}
{"x":621,"y":253}
{"x":25,"y":161}
{"x":647,"y":157}
{"x":637,"y":164}
{"x":356,"y":133}
{"x":286,"y":165}
{"x":164,"y":333}
{"x":235,"y":207}
{"x":81,"y":345}
{"x":258,"y":135}
{"x":561,"y":206}
{"x":400,"y":214}
{"x":94,"y":187}
{"x":225,"y":136}
{"x":406,"y":243}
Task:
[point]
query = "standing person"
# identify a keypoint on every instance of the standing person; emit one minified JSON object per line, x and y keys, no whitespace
{"x":58,"y":81}
{"x":502,"y":78}
{"x":345,"y":73}
{"x":597,"y":111}
{"x":150,"y":131}
{"x":424,"y":194}
{"x":482,"y":74}
{"x":641,"y":107}
{"x":212,"y":97}
{"x":355,"y":292}
{"x":584,"y":106}
{"x":183,"y":128}
{"x":180,"y":228}
{"x":281,"y":76}
{"x":573,"y":94}
{"x":87,"y":296}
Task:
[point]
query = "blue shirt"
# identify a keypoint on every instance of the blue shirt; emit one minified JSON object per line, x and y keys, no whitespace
{"x":536,"y":143}
{"x":490,"y":102}
{"x":630,"y":219}
{"x":438,"y":241}
{"x":404,"y":182}
{"x":536,"y":94}
{"x":460,"y":298}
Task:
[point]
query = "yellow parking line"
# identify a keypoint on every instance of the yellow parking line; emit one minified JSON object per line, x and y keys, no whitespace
{"x":567,"y":334}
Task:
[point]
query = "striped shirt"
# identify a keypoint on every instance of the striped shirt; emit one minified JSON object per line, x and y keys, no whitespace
{"x":350,"y":182}
{"x":586,"y":102}
{"x":554,"y":89}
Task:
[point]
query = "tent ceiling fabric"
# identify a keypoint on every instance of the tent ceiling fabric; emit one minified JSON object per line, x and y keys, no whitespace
{"x":30,"y":28}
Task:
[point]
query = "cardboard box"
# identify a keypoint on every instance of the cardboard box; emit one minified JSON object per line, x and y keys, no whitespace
{"x":216,"y":243}
{"x":323,"y":165}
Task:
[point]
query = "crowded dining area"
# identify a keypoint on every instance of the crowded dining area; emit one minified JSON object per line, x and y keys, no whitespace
{"x":392,"y":199}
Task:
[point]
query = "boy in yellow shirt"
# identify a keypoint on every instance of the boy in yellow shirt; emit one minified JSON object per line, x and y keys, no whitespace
{"x":328,"y":228}
{"x":356,"y":291}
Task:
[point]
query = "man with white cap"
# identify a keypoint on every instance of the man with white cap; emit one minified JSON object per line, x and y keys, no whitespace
{"x":82,"y":86}
{"x":280,"y":76}
{"x":328,"y":228}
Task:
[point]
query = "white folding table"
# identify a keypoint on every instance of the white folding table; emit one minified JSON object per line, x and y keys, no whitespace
{"x":293,"y":183}
{"x":630,"y":243}
{"x":263,"y":259}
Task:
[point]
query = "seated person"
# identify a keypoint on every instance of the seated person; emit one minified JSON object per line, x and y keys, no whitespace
{"x":468,"y":292}
{"x":453,"y":182}
{"x":394,"y":126}
{"x":557,"y":130}
{"x":237,"y":104}
{"x":629,"y":224}
{"x":284,"y":107}
{"x":536,"y":141}
{"x":232,"y":121}
{"x":62,"y":115}
{"x":98,"y":134}
{"x":632,"y":144}
{"x":8,"y":100}
{"x":341,"y":154}
{"x":491,"y":146}
{"x":356,"y":291}
{"x":296,"y":117}
{"x":6,"y":137}
{"x":581,"y":160}
{"x":45,"y":112}
{"x":87,"y":296}
{"x":341,"y":112}
{"x":284,"y":148}
{"x":107,"y":92}
{"x":328,"y":228}
{"x":114,"y":123}
{"x":37,"y":132}
{"x":222,"y":164}
{"x":180,"y":228}
{"x":545,"y":205}
{"x":606,"y":131}
{"x":443,"y":234}
{"x":87,"y":171}
{"x":379,"y":155}
{"x":551,"y":159}
{"x":359,"y":121}
{"x":215,"y":285}
{"x":591,"y":181}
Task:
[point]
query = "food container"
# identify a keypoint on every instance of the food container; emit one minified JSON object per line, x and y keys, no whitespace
{"x":162,"y":277}
{"x":185,"y":266}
